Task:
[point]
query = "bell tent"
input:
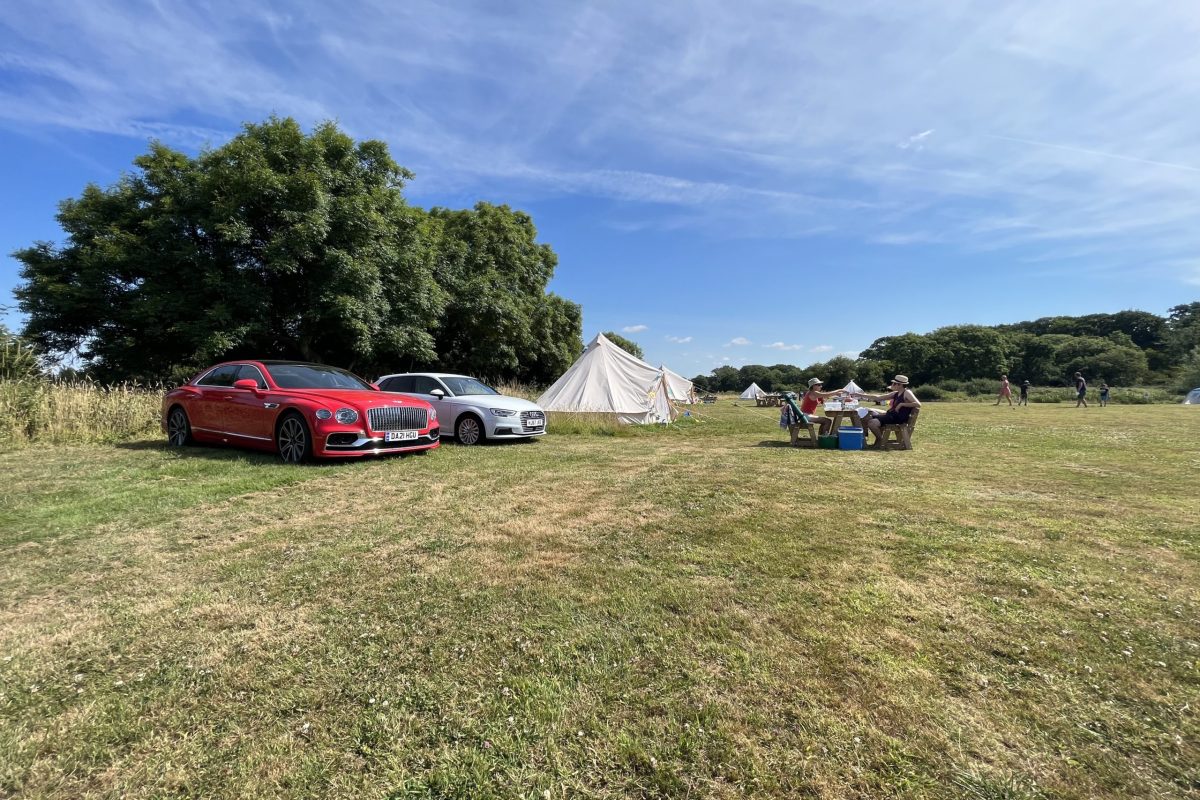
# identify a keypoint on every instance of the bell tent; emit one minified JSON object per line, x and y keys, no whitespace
{"x":679,"y":388}
{"x":752,"y":393}
{"x":851,"y":388}
{"x":1193,"y":398}
{"x":608,"y":380}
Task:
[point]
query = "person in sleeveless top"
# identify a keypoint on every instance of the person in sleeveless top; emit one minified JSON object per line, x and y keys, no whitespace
{"x":901,"y":402}
{"x":812,"y":398}
{"x":1005,"y":391}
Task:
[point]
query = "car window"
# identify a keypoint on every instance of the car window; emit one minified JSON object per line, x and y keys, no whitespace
{"x":315,"y":376}
{"x":423,"y":384}
{"x":462,"y":386}
{"x":249,"y":372}
{"x":400,"y":383}
{"x":221,"y":376}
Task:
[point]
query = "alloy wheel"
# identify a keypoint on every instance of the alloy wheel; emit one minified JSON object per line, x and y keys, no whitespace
{"x":293,"y":440}
{"x":178,"y":431}
{"x":469,"y":431}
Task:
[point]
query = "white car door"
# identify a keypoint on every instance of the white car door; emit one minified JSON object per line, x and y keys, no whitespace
{"x":423,"y":386}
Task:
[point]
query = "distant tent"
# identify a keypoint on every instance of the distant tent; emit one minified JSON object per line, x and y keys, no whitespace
{"x":851,"y":388}
{"x":608,"y":380}
{"x":1193,"y":398}
{"x":752,"y":392}
{"x":679,"y":388}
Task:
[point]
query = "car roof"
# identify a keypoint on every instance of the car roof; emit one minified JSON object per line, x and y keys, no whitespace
{"x":428,"y":375}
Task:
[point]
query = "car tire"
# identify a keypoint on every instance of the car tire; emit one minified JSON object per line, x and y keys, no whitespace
{"x":179,"y":428}
{"x":293,"y":441}
{"x":469,"y":430}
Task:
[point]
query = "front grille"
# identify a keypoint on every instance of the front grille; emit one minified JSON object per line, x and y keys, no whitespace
{"x":528,"y":415}
{"x":396,"y":418}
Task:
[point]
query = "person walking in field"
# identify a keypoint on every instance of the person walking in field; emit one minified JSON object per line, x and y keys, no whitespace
{"x":1005,"y":391}
{"x":1103,"y":394}
{"x":1023,"y":400}
{"x":1080,"y":390}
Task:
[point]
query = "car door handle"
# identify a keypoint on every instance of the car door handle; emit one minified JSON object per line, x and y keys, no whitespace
{"x":228,"y":397}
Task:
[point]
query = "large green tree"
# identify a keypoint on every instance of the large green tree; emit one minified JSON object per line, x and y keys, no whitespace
{"x":286,"y":244}
{"x":500,"y":322}
{"x":278,"y":243}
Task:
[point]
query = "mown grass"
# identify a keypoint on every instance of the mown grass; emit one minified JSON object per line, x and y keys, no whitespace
{"x":1008,"y":611}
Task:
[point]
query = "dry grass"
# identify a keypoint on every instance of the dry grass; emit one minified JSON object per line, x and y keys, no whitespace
{"x":46,"y":412}
{"x":1009,"y":611}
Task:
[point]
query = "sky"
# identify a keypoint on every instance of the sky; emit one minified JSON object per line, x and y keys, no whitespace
{"x":724,"y":183}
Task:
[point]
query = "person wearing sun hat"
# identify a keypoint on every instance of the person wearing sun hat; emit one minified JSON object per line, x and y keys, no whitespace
{"x":901,"y":402}
{"x":812,"y":398}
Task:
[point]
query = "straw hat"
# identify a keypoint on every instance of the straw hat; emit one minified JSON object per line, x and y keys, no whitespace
{"x":902,"y":379}
{"x":815,"y":382}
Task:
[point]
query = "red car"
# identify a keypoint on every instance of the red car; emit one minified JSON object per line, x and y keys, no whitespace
{"x":297,"y":409}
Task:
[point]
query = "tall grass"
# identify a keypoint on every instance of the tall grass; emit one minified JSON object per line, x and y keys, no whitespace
{"x":44,"y":411}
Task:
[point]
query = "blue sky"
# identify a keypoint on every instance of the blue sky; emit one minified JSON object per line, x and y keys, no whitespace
{"x":753,"y":182}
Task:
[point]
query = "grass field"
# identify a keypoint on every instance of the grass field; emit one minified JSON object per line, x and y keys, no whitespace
{"x":1012,"y":610}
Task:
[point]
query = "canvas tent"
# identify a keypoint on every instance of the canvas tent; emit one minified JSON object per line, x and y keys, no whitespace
{"x":679,"y":388}
{"x":851,"y":388}
{"x":608,"y":380}
{"x":752,"y":392}
{"x":1193,"y":398}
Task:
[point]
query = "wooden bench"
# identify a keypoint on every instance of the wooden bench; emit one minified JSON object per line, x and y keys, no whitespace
{"x":814,"y":430}
{"x":899,"y":437}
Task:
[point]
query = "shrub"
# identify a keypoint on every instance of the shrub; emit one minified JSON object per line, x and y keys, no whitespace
{"x":933,"y":392}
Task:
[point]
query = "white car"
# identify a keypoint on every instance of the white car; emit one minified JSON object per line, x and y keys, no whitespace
{"x":469,"y":407}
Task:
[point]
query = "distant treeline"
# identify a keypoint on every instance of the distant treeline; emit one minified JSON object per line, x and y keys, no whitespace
{"x":1126,"y":348}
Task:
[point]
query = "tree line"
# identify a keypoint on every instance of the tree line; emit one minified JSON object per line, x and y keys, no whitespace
{"x":288,"y":244}
{"x":1126,"y":348}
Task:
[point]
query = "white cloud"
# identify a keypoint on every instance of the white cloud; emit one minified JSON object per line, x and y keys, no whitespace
{"x":1044,"y":126}
{"x":634,"y":328}
{"x":782,"y":346}
{"x":821,"y":348}
{"x":740,"y":341}
{"x":915,"y":142}
{"x":679,"y":339}
{"x":726,"y":359}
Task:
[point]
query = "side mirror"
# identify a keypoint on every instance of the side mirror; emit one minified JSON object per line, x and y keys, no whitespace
{"x":438,"y":393}
{"x":375,"y":386}
{"x":246,"y":383}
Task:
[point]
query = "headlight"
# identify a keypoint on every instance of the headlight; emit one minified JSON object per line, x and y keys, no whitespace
{"x":433,"y":415}
{"x":502,"y":412}
{"x":346,"y":416}
{"x":324,"y":413}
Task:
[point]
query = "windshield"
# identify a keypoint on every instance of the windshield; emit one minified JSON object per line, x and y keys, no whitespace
{"x":312,"y":376}
{"x":462,"y":386}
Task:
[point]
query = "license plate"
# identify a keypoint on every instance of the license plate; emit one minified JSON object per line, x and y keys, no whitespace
{"x":399,"y":436}
{"x":535,"y":423}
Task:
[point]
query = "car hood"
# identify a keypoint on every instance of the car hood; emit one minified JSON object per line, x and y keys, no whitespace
{"x":496,"y":401}
{"x":356,"y":398}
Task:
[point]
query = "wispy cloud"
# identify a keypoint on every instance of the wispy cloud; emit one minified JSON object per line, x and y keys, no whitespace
{"x":1017,"y":125}
{"x":915,"y":142}
{"x":782,"y":346}
{"x":821,"y":348}
{"x":738,"y":341}
{"x":635,"y":328}
{"x":679,"y":339}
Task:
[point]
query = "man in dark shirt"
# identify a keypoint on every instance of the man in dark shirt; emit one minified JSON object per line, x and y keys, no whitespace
{"x":1080,"y":390}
